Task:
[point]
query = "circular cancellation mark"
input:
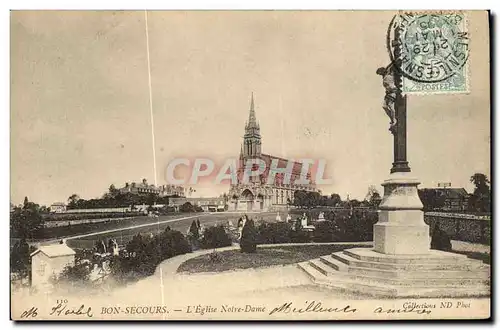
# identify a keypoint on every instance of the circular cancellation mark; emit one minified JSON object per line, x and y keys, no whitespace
{"x":432,"y":47}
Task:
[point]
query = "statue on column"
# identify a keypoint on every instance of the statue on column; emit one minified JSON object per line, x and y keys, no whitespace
{"x":389,"y":104}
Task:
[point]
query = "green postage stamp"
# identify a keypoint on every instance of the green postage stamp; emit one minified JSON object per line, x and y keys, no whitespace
{"x":434,"y":49}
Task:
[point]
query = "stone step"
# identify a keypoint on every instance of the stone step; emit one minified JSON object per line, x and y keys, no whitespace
{"x":310,"y":271}
{"x":333,"y":263}
{"x":337,"y":281}
{"x":329,"y":266}
{"x":434,"y":257}
{"x":468,"y":264}
{"x":372,"y":286}
{"x":401,"y":276}
{"x":321,"y":267}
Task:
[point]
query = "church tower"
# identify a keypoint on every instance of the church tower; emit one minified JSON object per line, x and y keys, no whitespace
{"x":251,"y":139}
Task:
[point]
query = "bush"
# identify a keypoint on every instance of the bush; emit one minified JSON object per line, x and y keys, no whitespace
{"x":167,"y":209}
{"x":248,"y":242}
{"x":145,"y":253}
{"x":274,"y":233}
{"x":357,"y":226}
{"x":194,"y":235}
{"x":299,"y":236}
{"x":76,"y":275}
{"x":440,"y":240}
{"x":215,"y":237}
{"x":187,"y":208}
{"x":326,"y":231}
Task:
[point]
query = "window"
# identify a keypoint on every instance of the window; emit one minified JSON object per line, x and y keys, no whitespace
{"x":41,"y":268}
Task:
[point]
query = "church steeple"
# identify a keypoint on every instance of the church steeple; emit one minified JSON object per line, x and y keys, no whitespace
{"x":252,"y":120}
{"x":252,"y":139}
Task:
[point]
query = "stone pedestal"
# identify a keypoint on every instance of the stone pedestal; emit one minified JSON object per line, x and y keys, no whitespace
{"x":401,"y":228}
{"x":401,"y":263}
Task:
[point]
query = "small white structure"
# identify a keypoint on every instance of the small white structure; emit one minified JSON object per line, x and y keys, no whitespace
{"x":304,"y":224}
{"x":241,"y":224}
{"x":321,"y":216}
{"x":288,"y":218}
{"x":49,"y":261}
{"x":57,"y":208}
{"x":278,"y":217}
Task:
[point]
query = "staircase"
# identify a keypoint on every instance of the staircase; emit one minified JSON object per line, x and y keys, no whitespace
{"x":364,"y":271}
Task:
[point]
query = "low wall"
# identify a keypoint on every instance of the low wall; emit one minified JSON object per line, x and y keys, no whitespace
{"x":63,"y":223}
{"x":461,"y":227}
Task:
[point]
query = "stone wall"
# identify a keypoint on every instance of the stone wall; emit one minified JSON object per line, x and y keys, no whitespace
{"x":461,"y":227}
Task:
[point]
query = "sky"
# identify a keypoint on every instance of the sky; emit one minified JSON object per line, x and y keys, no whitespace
{"x":80,"y":99}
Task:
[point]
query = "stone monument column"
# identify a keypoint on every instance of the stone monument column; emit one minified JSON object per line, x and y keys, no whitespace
{"x":401,"y":263}
{"x":401,"y":228}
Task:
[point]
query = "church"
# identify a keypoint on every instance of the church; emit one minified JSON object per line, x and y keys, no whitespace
{"x":257,"y":194}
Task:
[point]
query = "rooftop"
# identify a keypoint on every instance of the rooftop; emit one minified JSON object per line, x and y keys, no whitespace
{"x":55,"y":250}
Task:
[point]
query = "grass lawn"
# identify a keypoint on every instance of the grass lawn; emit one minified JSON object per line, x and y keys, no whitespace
{"x":264,"y":257}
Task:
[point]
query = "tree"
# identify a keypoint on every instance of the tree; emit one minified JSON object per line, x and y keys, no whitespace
{"x":432,"y":199}
{"x":26,"y":222}
{"x":194,"y":234}
{"x":73,"y":200}
{"x":20,"y":260}
{"x":187,"y":207}
{"x":375,"y":200}
{"x":335,"y":199}
{"x":248,"y":242}
{"x":300,"y":198}
{"x":480,"y":200}
{"x":112,"y":190}
{"x":215,"y":237}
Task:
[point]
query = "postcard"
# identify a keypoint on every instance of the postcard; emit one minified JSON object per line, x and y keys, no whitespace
{"x":250,"y":165}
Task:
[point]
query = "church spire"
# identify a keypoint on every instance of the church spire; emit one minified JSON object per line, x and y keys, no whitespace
{"x":252,"y":120}
{"x":252,"y":140}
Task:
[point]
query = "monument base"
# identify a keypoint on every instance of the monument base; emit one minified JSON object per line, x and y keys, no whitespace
{"x":368,"y":272}
{"x":398,"y":239}
{"x":401,"y":263}
{"x":401,"y":228}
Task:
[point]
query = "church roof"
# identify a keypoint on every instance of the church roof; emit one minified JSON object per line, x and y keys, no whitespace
{"x":282,"y":163}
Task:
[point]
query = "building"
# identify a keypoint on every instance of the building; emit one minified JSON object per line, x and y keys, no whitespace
{"x":257,"y":194}
{"x":143,"y":188}
{"x":444,"y":199}
{"x":207,"y":204}
{"x":57,"y":208}
{"x":49,"y":261}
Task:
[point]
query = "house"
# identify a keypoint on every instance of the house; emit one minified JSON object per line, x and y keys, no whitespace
{"x":48,"y":261}
{"x":207,"y":204}
{"x":444,"y":199}
{"x":57,"y":208}
{"x":144,"y":188}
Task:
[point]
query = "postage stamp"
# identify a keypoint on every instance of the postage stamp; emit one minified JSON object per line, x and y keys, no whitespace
{"x":433,"y":52}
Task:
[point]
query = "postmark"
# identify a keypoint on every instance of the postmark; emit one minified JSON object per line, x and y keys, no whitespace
{"x":432,"y":51}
